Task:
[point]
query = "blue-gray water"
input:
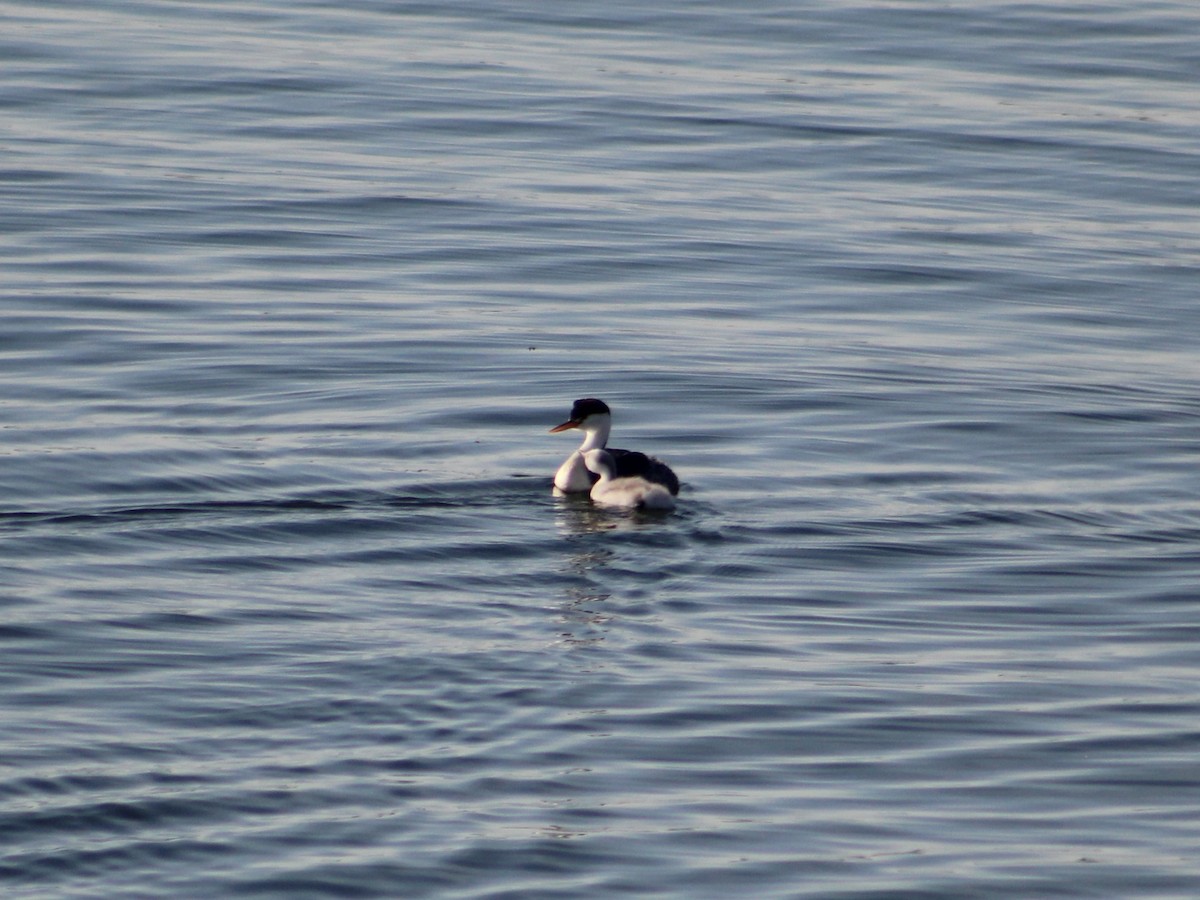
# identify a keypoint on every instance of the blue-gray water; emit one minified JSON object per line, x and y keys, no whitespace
{"x":905,"y":292}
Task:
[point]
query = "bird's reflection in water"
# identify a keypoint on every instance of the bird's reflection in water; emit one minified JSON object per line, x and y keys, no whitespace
{"x":577,"y":515}
{"x":585,"y":614}
{"x":582,"y":619}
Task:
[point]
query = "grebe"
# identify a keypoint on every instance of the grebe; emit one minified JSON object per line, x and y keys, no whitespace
{"x":594,"y":419}
{"x":630,"y":491}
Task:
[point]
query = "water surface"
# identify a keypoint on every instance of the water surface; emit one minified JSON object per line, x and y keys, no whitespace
{"x":904,"y":293}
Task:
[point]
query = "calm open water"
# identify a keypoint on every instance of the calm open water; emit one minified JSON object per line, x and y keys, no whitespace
{"x":905,"y":291}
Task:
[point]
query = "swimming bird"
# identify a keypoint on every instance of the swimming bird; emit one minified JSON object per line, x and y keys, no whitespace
{"x":629,"y":491}
{"x":594,"y":419}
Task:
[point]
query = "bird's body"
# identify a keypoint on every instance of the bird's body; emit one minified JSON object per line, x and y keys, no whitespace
{"x":594,"y":418}
{"x":627,"y":491}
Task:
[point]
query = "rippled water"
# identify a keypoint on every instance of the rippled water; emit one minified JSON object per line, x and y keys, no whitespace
{"x":905,"y":292}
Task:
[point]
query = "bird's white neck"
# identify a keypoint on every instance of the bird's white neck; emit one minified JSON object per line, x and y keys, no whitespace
{"x":595,"y":433}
